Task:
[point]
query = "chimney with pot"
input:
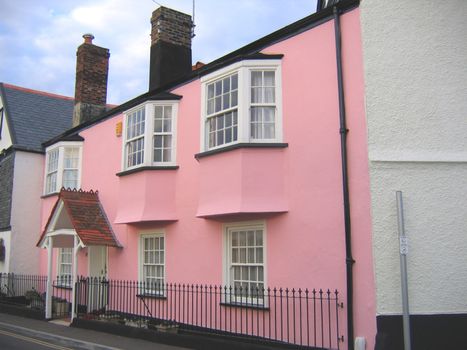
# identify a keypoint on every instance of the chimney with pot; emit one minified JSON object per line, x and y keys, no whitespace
{"x":92,"y":67}
{"x":171,"y":33}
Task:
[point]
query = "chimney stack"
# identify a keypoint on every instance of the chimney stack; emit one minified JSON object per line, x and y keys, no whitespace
{"x":171,"y":33}
{"x":92,"y":67}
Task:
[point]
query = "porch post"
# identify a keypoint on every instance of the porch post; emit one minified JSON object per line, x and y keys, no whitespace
{"x":49,"y":291}
{"x":74,"y":276}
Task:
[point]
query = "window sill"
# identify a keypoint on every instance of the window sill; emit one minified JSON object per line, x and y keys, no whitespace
{"x":150,"y":295}
{"x":144,"y":168}
{"x":245,"y":305}
{"x":241,"y":145}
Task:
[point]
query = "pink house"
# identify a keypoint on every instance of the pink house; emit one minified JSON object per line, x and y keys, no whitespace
{"x":228,"y":175}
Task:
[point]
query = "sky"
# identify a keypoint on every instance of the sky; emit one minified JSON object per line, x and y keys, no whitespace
{"x":39,"y":38}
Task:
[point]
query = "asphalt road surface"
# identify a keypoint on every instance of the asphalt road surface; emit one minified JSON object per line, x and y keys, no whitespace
{"x":14,"y":341}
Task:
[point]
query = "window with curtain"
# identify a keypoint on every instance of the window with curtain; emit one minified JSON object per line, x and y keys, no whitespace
{"x":150,"y":135}
{"x":242,"y":104}
{"x":52,"y":169}
{"x":153,"y":263}
{"x":134,"y":144}
{"x":263,"y":105}
{"x":162,"y":134}
{"x":222,"y":114}
{"x":245,"y":262}
{"x":64,"y":270}
{"x":62,"y":169}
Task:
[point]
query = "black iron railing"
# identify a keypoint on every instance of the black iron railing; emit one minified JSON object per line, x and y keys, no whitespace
{"x":303,"y":317}
{"x":30,"y":291}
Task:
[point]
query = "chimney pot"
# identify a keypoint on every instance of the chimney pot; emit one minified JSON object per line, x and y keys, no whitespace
{"x":88,"y":38}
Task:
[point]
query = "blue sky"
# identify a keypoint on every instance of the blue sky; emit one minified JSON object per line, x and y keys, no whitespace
{"x":38,"y":39}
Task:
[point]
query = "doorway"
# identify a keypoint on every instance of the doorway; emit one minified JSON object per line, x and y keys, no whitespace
{"x":98,"y":286}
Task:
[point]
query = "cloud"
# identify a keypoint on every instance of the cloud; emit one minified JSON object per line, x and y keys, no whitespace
{"x":38,"y":39}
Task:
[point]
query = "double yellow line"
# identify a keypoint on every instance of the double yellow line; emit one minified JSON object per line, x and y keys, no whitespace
{"x":32,"y":340}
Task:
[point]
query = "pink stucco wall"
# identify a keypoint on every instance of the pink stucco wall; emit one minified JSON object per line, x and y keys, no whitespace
{"x":296,"y":190}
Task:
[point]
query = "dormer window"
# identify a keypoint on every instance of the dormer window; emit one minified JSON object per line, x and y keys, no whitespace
{"x":62,"y":166}
{"x":150,"y":133}
{"x":242,"y":104}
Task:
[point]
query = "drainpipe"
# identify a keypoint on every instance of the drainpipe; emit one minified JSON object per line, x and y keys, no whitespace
{"x":349,"y":261}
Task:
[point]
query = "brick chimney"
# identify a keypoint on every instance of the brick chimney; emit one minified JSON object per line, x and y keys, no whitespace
{"x":92,"y":67}
{"x":171,"y":33}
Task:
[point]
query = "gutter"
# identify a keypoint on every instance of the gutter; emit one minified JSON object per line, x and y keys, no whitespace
{"x":349,"y":261}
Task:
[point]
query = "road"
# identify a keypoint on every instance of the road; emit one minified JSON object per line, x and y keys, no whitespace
{"x":14,"y":341}
{"x":17,"y":333}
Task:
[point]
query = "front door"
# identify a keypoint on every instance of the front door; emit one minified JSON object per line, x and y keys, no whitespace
{"x":98,"y":288}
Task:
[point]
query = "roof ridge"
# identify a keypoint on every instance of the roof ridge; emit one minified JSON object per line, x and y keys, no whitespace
{"x":38,"y":92}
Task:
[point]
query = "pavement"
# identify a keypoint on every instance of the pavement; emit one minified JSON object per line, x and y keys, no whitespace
{"x":60,"y":333}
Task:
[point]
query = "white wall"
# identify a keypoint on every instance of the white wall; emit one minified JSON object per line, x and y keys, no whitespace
{"x":25,"y":212}
{"x":415,"y":58}
{"x":5,"y":140}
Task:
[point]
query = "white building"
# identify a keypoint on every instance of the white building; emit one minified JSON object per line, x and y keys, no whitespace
{"x":415,"y":59}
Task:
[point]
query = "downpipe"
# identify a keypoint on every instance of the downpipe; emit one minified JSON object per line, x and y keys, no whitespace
{"x":349,"y":261}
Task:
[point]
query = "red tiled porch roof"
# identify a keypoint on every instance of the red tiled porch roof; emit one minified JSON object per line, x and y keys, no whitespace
{"x":87,"y":217}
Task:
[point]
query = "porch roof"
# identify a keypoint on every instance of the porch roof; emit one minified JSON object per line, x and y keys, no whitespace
{"x":87,"y":217}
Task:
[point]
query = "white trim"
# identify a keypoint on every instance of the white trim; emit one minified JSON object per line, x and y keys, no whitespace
{"x":61,"y":146}
{"x":247,"y":225}
{"x":148,"y":107}
{"x":243,"y":70}
{"x":62,"y":231}
{"x":150,"y":234}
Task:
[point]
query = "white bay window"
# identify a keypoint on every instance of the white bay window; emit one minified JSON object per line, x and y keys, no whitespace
{"x":242,"y":104}
{"x":150,"y":135}
{"x":62,"y":166}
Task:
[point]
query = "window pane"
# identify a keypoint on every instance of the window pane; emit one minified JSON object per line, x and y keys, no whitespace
{"x":251,"y":255}
{"x":234,"y":239}
{"x":256,"y":78}
{"x":269,"y":78}
{"x":233,"y":97}
{"x":226,"y":85}
{"x":234,"y":81}
{"x":242,"y":236}
{"x":158,"y":139}
{"x":234,"y":255}
{"x":269,"y":95}
{"x":52,"y":163}
{"x":158,"y":125}
{"x":218,"y":103}
{"x":70,"y":178}
{"x":242,"y":258}
{"x":210,"y":90}
{"x":162,"y":148}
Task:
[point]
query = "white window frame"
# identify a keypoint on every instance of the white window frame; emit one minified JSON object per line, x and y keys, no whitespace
{"x":142,"y":236}
{"x":243,"y":69}
{"x":61,"y":146}
{"x":64,"y":280}
{"x":149,"y":112}
{"x":227,"y":257}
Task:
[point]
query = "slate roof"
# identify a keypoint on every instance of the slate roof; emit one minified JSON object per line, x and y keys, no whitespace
{"x":35,"y":116}
{"x":87,"y":217}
